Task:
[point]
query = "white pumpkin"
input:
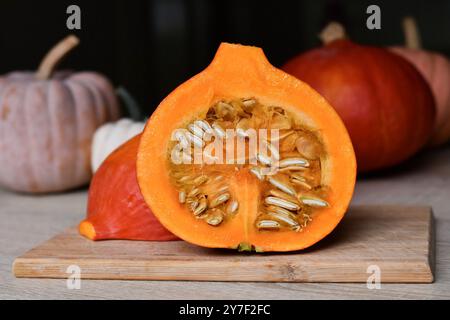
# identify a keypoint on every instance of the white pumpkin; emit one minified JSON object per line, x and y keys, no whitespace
{"x":110,"y":136}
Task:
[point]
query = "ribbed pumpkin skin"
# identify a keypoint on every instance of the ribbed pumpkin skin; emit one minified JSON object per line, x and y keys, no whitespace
{"x":385,"y":103}
{"x":46,"y":128}
{"x":110,"y":136}
{"x":436,"y":70}
{"x":116,"y":208}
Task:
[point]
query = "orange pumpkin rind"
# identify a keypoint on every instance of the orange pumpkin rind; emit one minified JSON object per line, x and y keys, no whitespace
{"x":116,"y":208}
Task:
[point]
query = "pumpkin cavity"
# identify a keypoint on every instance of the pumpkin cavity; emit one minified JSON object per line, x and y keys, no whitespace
{"x":241,"y":150}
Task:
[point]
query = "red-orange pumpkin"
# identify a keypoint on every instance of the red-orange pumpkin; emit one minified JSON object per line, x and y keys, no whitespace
{"x":385,"y":103}
{"x":116,"y":208}
{"x":435,"y":68}
{"x":47,"y":121}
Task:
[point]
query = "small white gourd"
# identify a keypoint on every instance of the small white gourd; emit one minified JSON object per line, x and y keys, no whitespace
{"x":110,"y":136}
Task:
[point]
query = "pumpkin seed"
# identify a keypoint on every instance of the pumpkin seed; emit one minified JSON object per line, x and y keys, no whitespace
{"x":191,"y":200}
{"x":295,"y":175}
{"x":225,"y":110}
{"x":182,"y":196}
{"x":288,"y":144}
{"x":220,"y":133}
{"x":219,"y":200}
{"x":201,"y":207}
{"x":282,"y":203}
{"x":287,"y":220}
{"x":280,"y":210}
{"x":242,"y":127}
{"x":293,"y":162}
{"x":281,"y":135}
{"x":215,"y":217}
{"x":196,"y":130}
{"x":300,"y":181}
{"x":241,"y":133}
{"x":181,"y":138}
{"x":264,"y":159}
{"x":313,"y":202}
{"x":282,"y":186}
{"x":268,"y":224}
{"x":232,"y":207}
{"x":292,"y":168}
{"x":222,"y":189}
{"x":273,"y":151}
{"x":280,"y":121}
{"x":200,"y":180}
{"x":256,"y":171}
{"x":282,"y":195}
{"x":184,"y":179}
{"x":308,"y":148}
{"x":179,"y":156}
{"x":248,"y":102}
{"x":205,"y":126}
{"x":194,"y":204}
{"x":197,"y":141}
{"x":194,"y":192}
{"x":241,"y":109}
{"x":215,"y":192}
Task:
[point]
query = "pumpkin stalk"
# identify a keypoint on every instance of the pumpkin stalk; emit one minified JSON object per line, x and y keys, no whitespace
{"x":332,"y":32}
{"x":55,"y":56}
{"x":411,"y":33}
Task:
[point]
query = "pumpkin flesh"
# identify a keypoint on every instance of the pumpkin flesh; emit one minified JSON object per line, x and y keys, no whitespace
{"x":238,"y":74}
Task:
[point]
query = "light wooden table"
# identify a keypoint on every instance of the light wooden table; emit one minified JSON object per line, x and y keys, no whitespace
{"x":26,"y":221}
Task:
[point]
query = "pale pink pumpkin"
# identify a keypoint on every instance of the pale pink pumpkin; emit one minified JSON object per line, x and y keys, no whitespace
{"x":435,"y":68}
{"x":47,"y":122}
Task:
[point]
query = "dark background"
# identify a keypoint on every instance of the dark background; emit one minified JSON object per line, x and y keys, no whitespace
{"x":151,"y":46}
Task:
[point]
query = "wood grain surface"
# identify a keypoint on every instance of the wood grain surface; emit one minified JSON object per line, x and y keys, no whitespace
{"x":396,"y":239}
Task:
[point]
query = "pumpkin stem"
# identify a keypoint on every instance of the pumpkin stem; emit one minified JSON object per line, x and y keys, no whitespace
{"x":87,"y":229}
{"x":411,"y":33}
{"x":55,"y":55}
{"x":333,"y":31}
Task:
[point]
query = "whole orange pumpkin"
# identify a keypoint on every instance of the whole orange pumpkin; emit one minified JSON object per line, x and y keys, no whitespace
{"x":385,"y":103}
{"x":435,"y":68}
{"x":47,"y":121}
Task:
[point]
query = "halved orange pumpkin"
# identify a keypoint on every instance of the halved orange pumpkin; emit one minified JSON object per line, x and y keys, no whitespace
{"x":246,"y":156}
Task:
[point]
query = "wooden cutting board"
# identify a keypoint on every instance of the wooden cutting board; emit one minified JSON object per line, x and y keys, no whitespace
{"x":397,"y":240}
